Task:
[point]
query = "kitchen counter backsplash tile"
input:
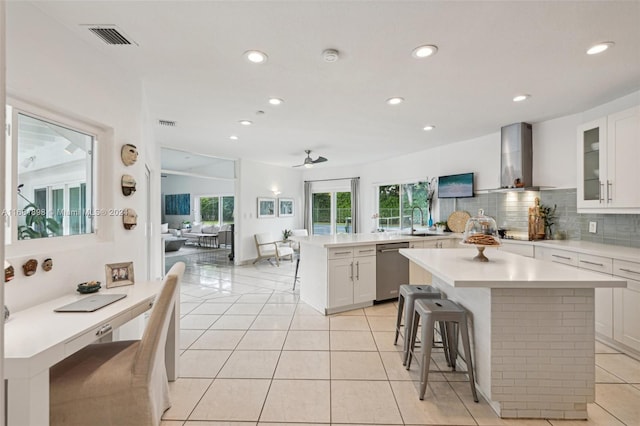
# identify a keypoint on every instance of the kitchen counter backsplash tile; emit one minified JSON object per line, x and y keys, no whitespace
{"x":510,"y":209}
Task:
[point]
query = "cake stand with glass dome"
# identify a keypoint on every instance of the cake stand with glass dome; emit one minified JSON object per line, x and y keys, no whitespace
{"x":481,"y":231}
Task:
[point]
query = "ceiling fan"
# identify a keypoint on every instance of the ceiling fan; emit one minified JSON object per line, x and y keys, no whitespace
{"x":308,"y":162}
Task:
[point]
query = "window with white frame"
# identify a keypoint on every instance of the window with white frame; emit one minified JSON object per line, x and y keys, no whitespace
{"x":50,"y":176}
{"x":216,"y":209}
{"x":399,"y":203}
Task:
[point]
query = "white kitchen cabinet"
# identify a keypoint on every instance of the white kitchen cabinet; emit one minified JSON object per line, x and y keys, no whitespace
{"x":623,"y":158}
{"x":525,"y":250}
{"x":626,"y":302}
{"x":340,"y":282}
{"x":608,"y":158}
{"x":364,"y":281}
{"x":351,"y":275}
{"x":603,"y":296}
{"x":627,"y":315}
{"x":592,"y":140}
{"x":419,"y":275}
{"x":565,"y":257}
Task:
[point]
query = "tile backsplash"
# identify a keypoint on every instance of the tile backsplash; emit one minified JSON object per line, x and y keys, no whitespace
{"x":510,"y":210}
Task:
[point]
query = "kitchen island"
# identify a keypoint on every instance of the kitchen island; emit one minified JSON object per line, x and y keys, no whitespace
{"x":339,"y":271}
{"x":532,"y":326}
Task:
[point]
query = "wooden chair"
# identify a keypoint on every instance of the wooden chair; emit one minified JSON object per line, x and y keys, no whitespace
{"x":120,"y":383}
{"x":269,"y":248}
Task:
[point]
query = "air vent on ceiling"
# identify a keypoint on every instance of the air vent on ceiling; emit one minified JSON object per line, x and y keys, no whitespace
{"x":168,"y":123}
{"x":110,"y":34}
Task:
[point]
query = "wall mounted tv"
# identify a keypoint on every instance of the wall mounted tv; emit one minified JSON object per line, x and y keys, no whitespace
{"x":455,"y":186}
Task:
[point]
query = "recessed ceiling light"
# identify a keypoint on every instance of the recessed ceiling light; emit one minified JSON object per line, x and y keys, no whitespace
{"x":429,"y":127}
{"x":246,"y":122}
{"x":275,"y":101}
{"x":424,"y":51}
{"x":395,"y":101}
{"x":233,"y":137}
{"x":255,"y":56}
{"x":520,"y":98}
{"x":600,"y":47}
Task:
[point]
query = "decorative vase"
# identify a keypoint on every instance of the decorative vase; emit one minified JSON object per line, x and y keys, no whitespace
{"x":430,"y":222}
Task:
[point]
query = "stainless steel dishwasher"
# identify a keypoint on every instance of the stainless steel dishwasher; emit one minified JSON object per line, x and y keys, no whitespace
{"x":392,"y":269}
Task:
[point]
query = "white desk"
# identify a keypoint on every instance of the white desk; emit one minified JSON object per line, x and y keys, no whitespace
{"x":37,"y":338}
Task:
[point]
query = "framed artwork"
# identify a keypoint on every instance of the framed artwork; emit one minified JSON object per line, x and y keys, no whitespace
{"x":177,"y":204}
{"x":119,"y":274}
{"x":285,"y":207}
{"x":266,"y":207}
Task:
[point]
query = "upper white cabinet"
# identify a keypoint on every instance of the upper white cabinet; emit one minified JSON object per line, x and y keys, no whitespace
{"x":608,"y":158}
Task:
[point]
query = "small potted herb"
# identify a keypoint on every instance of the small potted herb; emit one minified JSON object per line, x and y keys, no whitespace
{"x":441,"y":226}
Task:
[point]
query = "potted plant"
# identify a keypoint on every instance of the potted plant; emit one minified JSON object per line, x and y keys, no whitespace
{"x":286,"y":234}
{"x":441,"y":226}
{"x":38,"y":225}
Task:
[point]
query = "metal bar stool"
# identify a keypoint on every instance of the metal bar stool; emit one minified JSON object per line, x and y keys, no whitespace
{"x":430,"y":311}
{"x":407,"y":295}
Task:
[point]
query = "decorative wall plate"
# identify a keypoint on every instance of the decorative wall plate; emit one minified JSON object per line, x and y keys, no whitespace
{"x":458,"y":220}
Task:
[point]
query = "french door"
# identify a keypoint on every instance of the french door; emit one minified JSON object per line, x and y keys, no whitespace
{"x":331,"y":213}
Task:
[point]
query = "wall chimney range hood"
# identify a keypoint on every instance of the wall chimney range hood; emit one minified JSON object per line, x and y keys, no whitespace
{"x":516,"y":162}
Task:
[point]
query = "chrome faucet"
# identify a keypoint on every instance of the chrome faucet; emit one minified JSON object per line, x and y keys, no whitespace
{"x":421,"y":218}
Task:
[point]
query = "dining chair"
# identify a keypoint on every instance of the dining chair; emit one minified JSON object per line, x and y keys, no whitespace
{"x":122,"y":383}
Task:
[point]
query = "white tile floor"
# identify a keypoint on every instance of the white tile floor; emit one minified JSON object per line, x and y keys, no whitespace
{"x":252,"y":353}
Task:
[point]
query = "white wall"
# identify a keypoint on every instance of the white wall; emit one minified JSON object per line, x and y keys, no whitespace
{"x":196,"y":187}
{"x":54,"y":70}
{"x":479,"y":155}
{"x":259,"y":180}
{"x":554,"y":159}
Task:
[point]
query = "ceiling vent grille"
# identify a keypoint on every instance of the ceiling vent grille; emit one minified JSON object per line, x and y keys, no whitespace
{"x":167,"y":123}
{"x":109,"y":35}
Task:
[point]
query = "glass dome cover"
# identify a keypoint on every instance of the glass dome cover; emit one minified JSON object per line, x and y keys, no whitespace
{"x":481,"y":230}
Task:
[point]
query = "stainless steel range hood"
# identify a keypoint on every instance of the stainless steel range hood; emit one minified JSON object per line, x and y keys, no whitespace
{"x":516,"y":165}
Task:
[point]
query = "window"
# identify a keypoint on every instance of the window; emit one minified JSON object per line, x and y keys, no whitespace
{"x":331,"y":213}
{"x":50,"y":177}
{"x":397,"y":198}
{"x":217,"y":210}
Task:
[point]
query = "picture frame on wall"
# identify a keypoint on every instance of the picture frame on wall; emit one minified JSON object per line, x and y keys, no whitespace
{"x":285,"y":207}
{"x":266,"y":207}
{"x":119,"y":274}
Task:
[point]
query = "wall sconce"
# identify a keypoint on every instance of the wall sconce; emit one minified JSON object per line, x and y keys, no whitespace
{"x":275,"y":192}
{"x":27,"y":162}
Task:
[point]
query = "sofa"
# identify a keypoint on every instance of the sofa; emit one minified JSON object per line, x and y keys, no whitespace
{"x":203,"y":236}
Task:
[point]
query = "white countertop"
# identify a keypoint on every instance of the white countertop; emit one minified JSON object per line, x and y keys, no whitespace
{"x":504,"y":270}
{"x":369,"y":238}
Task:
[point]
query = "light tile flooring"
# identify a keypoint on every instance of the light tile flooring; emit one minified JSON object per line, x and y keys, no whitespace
{"x":252,"y":353}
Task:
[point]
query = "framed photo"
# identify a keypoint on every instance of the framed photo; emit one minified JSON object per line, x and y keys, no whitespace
{"x":119,"y":274}
{"x":266,"y":207}
{"x":285,"y":207}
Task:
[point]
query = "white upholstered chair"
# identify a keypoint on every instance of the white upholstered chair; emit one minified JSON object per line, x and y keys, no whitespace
{"x":298,"y":233}
{"x":120,"y":383}
{"x":270,"y":248}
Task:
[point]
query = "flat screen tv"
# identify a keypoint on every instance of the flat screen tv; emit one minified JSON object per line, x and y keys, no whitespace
{"x":455,"y":186}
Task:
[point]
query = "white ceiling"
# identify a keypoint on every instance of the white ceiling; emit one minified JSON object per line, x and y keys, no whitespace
{"x":189,"y":57}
